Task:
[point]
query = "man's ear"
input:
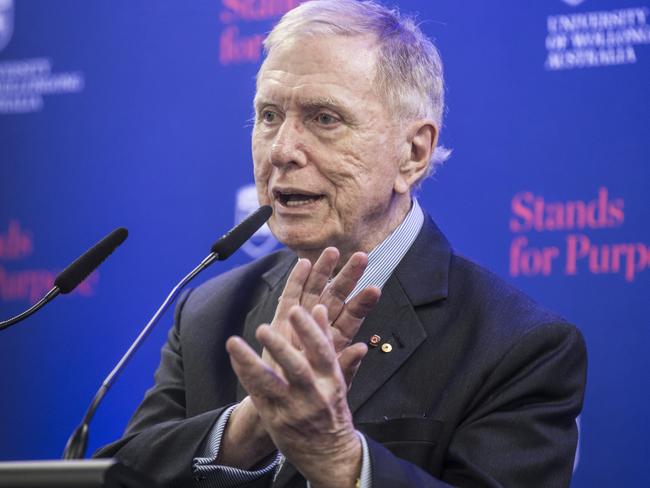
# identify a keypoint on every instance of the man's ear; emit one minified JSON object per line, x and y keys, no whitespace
{"x":422,"y":137}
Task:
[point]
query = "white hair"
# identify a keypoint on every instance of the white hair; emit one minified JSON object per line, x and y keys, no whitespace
{"x":408,"y":76}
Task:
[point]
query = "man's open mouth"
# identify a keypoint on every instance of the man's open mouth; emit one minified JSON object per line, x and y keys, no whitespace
{"x":291,"y":199}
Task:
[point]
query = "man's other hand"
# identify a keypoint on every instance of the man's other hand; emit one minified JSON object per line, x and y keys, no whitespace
{"x":245,"y":441}
{"x":303,"y":404}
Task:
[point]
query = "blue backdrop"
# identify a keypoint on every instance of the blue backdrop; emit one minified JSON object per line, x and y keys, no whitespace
{"x":136,"y":113}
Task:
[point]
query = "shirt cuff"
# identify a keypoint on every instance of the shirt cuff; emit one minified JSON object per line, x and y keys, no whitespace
{"x":365,"y":478}
{"x":206,"y":473}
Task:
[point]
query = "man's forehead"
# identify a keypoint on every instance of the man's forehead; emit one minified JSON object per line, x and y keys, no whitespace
{"x":346,"y":62}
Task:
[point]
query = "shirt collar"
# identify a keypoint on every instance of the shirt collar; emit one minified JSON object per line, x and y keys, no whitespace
{"x":384,"y":258}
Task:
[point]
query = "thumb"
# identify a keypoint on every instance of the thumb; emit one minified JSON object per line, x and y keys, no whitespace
{"x":350,"y":360}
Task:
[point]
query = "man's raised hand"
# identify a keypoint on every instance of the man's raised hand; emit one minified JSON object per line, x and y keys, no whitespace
{"x":309,"y":285}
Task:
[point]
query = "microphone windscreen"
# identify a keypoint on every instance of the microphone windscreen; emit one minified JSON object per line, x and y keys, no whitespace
{"x":235,"y":237}
{"x":79,"y":270}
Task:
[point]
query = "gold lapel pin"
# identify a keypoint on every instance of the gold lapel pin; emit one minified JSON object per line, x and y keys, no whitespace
{"x":374,"y":340}
{"x":386,"y":347}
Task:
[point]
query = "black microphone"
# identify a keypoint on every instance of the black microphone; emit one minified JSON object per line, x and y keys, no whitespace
{"x":235,"y":237}
{"x":74,"y":274}
{"x":222,"y":249}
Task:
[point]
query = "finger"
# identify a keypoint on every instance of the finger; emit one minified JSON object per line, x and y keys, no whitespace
{"x":319,"y":313}
{"x":353,"y":314}
{"x":293,"y":288}
{"x":257,"y":378}
{"x":350,"y":360}
{"x":318,"y":349}
{"x":341,"y":286}
{"x":319,"y":276}
{"x":294,"y":365}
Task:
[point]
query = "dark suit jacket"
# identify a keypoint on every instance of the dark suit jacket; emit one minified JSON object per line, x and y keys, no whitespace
{"x":481,"y":388}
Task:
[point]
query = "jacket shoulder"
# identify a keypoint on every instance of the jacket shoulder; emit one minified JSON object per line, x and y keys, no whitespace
{"x":506,"y":311}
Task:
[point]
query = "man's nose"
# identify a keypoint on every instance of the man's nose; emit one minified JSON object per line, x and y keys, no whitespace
{"x":289,"y":145}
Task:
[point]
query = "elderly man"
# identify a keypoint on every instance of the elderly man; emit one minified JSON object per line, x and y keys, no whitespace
{"x":450,"y":378}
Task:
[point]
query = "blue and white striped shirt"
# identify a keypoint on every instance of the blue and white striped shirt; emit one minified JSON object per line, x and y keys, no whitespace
{"x":382,"y":261}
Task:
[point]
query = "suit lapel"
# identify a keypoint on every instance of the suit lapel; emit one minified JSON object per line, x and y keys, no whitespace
{"x":395,"y":321}
{"x":419,"y":279}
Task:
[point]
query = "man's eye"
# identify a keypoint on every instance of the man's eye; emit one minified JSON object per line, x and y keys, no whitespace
{"x":268,"y":116}
{"x":326,"y":119}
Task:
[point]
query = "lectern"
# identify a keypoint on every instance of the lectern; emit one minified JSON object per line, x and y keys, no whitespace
{"x":83,"y":473}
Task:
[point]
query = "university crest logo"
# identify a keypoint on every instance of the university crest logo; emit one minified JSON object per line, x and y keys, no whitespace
{"x":262,"y":242}
{"x":6,"y":22}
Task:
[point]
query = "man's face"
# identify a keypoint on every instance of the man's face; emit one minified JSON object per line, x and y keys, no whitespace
{"x":325,"y":149}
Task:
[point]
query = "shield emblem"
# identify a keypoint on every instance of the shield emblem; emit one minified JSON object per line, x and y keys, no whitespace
{"x":263,"y":241}
{"x":6,"y":22}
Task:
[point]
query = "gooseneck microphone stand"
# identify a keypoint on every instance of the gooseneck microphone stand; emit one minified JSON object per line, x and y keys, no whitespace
{"x":68,"y":279}
{"x":34,"y":308}
{"x":77,"y":443}
{"x":222,"y":249}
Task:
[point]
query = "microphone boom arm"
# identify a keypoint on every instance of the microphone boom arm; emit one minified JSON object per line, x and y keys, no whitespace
{"x":34,"y":308}
{"x":222,"y":249}
{"x":77,"y":443}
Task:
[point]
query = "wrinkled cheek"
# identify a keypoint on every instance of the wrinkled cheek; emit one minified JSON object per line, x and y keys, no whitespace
{"x":260,"y":157}
{"x":349,"y":187}
{"x":261,"y":173}
{"x":262,"y":193}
